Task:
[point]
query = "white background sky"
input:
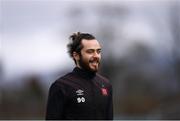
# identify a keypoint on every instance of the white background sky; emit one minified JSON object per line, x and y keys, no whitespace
{"x":34,"y":33}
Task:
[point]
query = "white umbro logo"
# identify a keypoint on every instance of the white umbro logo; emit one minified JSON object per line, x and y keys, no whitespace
{"x":79,"y":92}
{"x":80,"y":99}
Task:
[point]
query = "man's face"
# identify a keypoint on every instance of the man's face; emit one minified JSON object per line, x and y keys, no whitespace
{"x":90,"y":55}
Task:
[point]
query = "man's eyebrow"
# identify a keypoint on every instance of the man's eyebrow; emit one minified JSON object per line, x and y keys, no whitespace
{"x":95,"y":49}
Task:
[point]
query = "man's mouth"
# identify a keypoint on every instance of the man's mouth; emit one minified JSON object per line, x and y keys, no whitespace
{"x":94,"y":63}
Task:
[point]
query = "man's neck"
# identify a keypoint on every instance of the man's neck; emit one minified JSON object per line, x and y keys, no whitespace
{"x":85,"y":70}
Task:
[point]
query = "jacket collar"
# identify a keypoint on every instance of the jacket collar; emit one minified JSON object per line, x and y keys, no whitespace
{"x":84,"y":73}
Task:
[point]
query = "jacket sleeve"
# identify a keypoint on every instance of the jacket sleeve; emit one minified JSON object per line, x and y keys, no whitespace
{"x":110,"y":106}
{"x":55,"y":103}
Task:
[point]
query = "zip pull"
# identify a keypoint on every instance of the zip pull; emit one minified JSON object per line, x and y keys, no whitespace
{"x":102,"y":85}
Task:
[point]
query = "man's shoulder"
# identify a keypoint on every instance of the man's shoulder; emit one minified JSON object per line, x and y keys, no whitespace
{"x":66,"y":80}
{"x":61,"y":83}
{"x":102,"y":78}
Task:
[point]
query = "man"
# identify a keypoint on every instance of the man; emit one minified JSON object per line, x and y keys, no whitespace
{"x":83,"y":93}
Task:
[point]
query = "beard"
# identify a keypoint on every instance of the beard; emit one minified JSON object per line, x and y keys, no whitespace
{"x":91,"y":65}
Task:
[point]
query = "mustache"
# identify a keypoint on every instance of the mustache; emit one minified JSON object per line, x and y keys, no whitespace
{"x":94,"y":59}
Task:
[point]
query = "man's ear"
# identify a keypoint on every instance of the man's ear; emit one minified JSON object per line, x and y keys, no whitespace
{"x":76,"y":56}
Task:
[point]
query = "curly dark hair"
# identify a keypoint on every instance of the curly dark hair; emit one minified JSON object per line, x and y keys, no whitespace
{"x":75,"y":42}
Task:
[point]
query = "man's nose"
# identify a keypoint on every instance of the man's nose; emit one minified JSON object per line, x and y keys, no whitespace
{"x":96,"y":54}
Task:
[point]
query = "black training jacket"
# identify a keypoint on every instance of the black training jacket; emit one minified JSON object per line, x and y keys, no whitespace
{"x":80,"y":95}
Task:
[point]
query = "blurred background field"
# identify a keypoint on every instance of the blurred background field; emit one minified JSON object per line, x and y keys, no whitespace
{"x":141,"y":55}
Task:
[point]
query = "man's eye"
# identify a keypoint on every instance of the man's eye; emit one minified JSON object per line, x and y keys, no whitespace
{"x":90,"y":51}
{"x":99,"y":51}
